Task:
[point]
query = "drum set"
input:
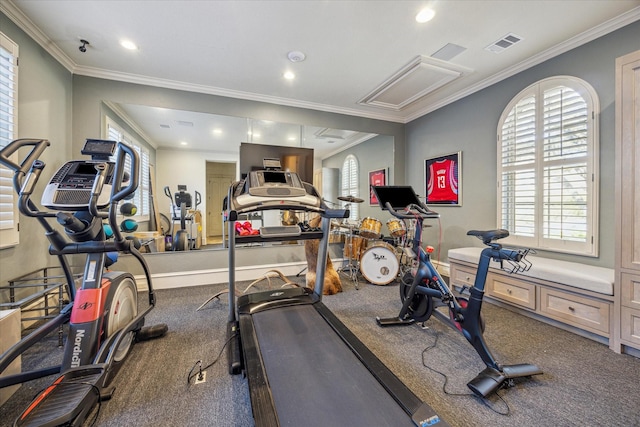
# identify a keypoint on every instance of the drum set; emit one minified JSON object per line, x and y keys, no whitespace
{"x":379,"y":259}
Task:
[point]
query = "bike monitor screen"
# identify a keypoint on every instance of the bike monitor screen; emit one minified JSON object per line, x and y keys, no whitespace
{"x":399,"y":196}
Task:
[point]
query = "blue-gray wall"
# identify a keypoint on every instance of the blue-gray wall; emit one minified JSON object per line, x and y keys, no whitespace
{"x":44,"y":111}
{"x":374,"y":154}
{"x":470,"y":125}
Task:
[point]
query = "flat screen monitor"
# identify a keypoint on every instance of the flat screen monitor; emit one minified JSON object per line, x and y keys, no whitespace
{"x":292,"y":159}
{"x":399,"y":196}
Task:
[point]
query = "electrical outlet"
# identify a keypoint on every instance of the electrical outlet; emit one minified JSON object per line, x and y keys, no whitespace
{"x":203,"y":379}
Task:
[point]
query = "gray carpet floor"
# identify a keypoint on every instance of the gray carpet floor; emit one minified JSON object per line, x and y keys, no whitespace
{"x":584,"y":383}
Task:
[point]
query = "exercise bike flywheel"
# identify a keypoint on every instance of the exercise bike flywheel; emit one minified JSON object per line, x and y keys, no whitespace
{"x":421,"y":306}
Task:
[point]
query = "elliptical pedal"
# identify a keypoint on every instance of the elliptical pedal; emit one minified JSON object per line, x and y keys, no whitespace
{"x":71,"y":397}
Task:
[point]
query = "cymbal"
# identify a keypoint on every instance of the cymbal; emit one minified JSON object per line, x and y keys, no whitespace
{"x":350,"y":199}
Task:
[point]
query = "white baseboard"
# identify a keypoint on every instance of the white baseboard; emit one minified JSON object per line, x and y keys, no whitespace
{"x":181,"y":279}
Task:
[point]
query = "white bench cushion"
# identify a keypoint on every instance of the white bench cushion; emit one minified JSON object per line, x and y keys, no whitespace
{"x":581,"y":276}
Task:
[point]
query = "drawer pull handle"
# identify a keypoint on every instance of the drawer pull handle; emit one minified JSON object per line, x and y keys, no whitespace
{"x":509,"y":291}
{"x":571,"y":308}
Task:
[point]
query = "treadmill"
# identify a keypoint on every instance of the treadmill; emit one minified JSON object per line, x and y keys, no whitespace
{"x":304,"y":367}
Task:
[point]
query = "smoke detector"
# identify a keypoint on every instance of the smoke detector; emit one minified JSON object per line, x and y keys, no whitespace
{"x":296,"y":56}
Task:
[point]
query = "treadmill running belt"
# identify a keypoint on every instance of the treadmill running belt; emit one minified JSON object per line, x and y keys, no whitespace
{"x":315,"y":379}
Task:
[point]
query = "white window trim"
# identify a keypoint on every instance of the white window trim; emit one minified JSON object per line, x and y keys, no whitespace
{"x":589,"y":248}
{"x":10,"y":236}
{"x":135,"y":144}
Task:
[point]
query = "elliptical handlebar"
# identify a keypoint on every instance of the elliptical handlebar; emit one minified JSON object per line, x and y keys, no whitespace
{"x":39,"y":145}
{"x":118,"y":193}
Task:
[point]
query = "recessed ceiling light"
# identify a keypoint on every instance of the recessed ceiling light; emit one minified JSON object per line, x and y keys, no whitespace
{"x":425,"y":15}
{"x":128,"y":44}
{"x":289,"y":75}
{"x":217,"y":131}
{"x":183,"y":143}
{"x":292,"y":138}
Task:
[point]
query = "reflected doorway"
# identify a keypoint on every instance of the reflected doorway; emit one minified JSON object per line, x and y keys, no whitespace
{"x":220,"y":176}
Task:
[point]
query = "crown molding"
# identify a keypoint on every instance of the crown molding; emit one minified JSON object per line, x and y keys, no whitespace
{"x":21,"y":20}
{"x":605,"y":28}
{"x":129,"y":121}
{"x":228,"y":93}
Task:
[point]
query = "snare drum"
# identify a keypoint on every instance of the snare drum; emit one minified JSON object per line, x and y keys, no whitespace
{"x":370,"y":227}
{"x":396,"y":227}
{"x":379,"y":263}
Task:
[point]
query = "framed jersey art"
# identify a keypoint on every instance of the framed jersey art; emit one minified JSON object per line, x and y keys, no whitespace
{"x":443,"y":180}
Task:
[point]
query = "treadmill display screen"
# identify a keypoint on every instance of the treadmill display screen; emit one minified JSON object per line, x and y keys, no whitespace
{"x":274,"y":177}
{"x":399,"y":196}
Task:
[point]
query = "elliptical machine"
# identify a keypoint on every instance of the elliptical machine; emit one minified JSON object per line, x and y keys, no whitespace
{"x":423,"y":290}
{"x":180,"y":204}
{"x":103,"y":316}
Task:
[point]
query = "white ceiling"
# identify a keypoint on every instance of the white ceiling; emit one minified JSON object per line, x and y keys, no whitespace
{"x":354,"y":49}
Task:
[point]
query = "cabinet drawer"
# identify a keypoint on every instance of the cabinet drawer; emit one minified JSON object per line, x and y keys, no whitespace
{"x":582,"y":312}
{"x":462,"y":275}
{"x":630,"y":325}
{"x":630,"y":291}
{"x":513,"y":291}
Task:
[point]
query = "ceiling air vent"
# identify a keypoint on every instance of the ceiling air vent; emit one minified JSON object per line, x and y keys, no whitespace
{"x":504,"y":43}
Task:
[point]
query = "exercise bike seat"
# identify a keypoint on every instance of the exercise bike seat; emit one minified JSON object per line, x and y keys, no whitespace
{"x":489,"y":236}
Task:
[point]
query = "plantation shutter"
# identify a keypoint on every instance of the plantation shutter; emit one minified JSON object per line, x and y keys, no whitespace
{"x":518,"y":169}
{"x":547,"y":167}
{"x":565,"y":151}
{"x":9,"y":235}
{"x":141,"y":197}
{"x":350,"y":183}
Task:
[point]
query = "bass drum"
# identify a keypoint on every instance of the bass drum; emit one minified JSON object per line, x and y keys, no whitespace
{"x":379,"y":263}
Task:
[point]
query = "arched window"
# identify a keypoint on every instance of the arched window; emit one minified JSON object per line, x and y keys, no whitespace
{"x":349,"y":184}
{"x":548,"y":167}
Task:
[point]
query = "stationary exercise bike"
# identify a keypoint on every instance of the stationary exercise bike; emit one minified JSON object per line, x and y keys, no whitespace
{"x":424,"y":290}
{"x":180,"y":204}
{"x":103,"y":316}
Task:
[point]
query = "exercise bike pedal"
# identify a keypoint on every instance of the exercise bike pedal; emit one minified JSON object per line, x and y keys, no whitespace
{"x":67,"y":401}
{"x":394,"y":321}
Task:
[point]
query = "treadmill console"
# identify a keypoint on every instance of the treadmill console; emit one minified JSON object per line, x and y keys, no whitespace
{"x":70,"y":188}
{"x":275,"y":184}
{"x":274,"y":188}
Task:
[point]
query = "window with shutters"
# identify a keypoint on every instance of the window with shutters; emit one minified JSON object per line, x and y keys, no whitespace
{"x":548,"y":167}
{"x":141,"y":196}
{"x":8,"y":132}
{"x":349,"y":185}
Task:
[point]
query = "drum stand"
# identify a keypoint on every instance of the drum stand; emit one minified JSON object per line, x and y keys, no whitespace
{"x":351,"y":269}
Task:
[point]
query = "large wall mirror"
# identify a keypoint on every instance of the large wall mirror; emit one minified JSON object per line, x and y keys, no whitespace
{"x":201,"y":151}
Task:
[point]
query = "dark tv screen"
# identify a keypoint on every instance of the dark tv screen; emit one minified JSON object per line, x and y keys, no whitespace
{"x":292,"y":159}
{"x":399,"y":196}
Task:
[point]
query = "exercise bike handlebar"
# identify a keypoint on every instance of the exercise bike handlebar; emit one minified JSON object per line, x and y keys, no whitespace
{"x":411,"y":211}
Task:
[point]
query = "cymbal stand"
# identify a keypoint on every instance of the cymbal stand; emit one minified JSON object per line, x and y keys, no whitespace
{"x":350,"y":267}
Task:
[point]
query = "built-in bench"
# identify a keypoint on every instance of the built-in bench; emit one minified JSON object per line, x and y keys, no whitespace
{"x":570,"y":295}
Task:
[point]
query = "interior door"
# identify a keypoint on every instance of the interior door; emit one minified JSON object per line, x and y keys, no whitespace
{"x":219,"y":178}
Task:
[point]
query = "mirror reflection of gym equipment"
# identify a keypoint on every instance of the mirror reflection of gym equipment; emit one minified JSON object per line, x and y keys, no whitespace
{"x":184,"y":213}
